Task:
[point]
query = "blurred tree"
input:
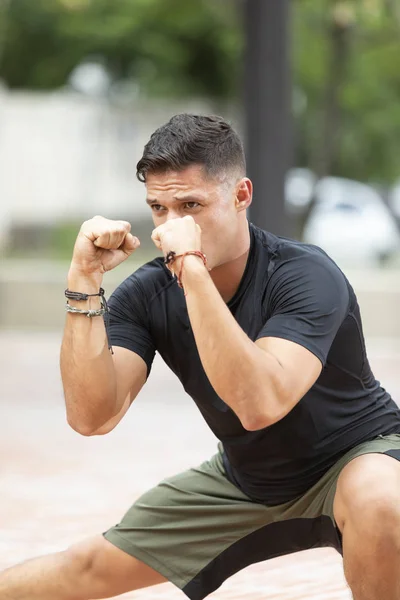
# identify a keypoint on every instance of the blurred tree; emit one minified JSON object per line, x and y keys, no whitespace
{"x":345,"y":64}
{"x":167,"y":47}
{"x":347,"y":81}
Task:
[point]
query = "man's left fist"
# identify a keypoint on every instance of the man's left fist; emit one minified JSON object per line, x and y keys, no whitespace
{"x":177,"y":235}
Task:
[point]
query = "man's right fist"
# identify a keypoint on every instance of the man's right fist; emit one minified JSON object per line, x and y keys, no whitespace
{"x":102,"y":244}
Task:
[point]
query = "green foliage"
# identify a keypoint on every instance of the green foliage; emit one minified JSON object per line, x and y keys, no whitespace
{"x":168,"y":47}
{"x":367,"y":130}
{"x":347,"y":113}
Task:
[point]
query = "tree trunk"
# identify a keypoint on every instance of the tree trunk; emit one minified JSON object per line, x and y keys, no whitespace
{"x":328,"y":135}
{"x":328,"y":143}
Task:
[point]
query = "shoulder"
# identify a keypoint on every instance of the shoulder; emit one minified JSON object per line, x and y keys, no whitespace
{"x":282,"y":250}
{"x":288,"y":257}
{"x":296,"y":269}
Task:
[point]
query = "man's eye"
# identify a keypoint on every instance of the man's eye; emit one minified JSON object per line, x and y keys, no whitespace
{"x":191,"y":205}
{"x":157,"y":207}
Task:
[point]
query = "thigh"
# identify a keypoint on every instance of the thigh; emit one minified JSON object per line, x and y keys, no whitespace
{"x":197,"y":529}
{"x":320,"y":503}
{"x":368,"y":490}
{"x":179,"y":527}
{"x":107,"y":571}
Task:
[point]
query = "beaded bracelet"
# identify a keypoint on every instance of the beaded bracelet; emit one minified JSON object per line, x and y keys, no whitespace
{"x":103,"y":311}
{"x":99,"y":312}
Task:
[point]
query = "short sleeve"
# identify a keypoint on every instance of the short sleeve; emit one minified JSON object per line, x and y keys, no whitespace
{"x":129,"y":321}
{"x":307,"y":299}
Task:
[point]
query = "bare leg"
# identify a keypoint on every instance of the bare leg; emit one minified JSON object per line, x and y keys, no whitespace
{"x":372,"y":566}
{"x":91,"y":570}
{"x":367,"y":512}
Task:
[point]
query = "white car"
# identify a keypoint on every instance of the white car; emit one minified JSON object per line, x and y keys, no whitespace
{"x":350,"y":221}
{"x":394,"y":200}
{"x":299,"y":189}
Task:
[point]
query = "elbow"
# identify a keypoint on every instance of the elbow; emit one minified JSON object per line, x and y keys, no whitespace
{"x":271,"y":406}
{"x":256,"y":421}
{"x":85,"y":429}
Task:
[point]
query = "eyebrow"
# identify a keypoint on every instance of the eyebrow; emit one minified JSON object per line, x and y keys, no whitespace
{"x":188,"y":198}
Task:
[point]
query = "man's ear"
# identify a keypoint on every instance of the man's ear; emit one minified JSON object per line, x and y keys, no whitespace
{"x":244,"y":194}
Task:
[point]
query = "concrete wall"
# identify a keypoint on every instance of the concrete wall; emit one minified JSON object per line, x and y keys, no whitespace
{"x":32,"y":296}
{"x":67,"y":157}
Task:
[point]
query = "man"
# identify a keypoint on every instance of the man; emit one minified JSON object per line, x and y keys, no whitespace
{"x":265,"y":335}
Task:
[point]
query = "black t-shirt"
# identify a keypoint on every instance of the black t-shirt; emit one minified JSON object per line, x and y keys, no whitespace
{"x":289,"y":290}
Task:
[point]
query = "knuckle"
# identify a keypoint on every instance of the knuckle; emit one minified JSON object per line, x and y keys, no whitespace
{"x":90,"y":222}
{"x":125,"y":225}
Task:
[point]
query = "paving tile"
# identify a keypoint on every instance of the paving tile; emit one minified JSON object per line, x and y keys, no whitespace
{"x":57,"y":487}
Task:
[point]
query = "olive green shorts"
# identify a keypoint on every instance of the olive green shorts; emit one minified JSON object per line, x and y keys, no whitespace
{"x":197,"y":528}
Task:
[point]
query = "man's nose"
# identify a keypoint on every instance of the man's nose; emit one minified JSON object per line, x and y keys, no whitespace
{"x":173,"y":214}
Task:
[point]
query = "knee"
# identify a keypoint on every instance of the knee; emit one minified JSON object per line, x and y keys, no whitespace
{"x":82,"y":560}
{"x":378,"y":517}
{"x":367,"y":499}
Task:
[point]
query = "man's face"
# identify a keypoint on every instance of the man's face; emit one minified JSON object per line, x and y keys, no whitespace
{"x":211,"y":201}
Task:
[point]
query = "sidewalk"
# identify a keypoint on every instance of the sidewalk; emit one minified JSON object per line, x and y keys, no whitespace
{"x":57,"y":487}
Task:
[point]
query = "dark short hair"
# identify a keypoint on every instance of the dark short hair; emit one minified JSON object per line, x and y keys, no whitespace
{"x":192,"y":139}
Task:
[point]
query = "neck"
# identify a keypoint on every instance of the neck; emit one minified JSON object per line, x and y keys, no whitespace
{"x":227,"y":277}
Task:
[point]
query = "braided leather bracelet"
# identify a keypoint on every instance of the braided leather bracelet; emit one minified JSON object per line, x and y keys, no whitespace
{"x":97,"y":312}
{"x":172,"y":257}
{"x":79,"y":296}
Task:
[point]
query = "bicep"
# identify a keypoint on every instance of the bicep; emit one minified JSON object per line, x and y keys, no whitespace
{"x":307,"y":305}
{"x":131,"y":375}
{"x":296,"y":367}
{"x":130,"y":371}
{"x":129,"y":327}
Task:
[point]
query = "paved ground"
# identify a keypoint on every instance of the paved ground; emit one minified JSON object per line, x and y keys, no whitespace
{"x":57,"y":487}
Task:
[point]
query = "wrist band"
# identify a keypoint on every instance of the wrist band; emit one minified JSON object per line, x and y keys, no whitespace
{"x":99,"y":312}
{"x":79,"y":296}
{"x":103,"y":311}
{"x":172,"y":257}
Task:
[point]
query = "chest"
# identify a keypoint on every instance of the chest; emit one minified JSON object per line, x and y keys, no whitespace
{"x":175,"y":340}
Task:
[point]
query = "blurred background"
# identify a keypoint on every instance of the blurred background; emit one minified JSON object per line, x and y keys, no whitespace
{"x":313,"y":86}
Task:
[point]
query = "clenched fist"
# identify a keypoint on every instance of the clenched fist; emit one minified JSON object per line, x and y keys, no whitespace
{"x":177,"y":235}
{"x":102,"y":244}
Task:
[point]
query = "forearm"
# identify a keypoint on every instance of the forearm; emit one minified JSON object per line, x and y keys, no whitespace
{"x":87,"y":367}
{"x":242,"y":374}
